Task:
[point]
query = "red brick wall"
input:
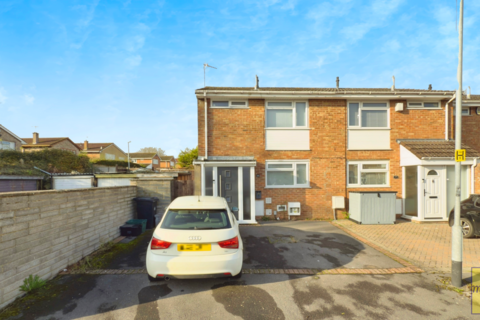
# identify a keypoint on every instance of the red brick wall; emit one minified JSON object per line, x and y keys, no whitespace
{"x":241,"y":132}
{"x":471,"y":129}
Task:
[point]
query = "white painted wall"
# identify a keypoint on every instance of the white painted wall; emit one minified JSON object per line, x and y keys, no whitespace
{"x":366,"y":139}
{"x":288,"y":139}
{"x":113,"y":182}
{"x":407,"y":158}
{"x":66,"y":183}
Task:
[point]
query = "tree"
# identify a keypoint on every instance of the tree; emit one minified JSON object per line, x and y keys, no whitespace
{"x":158,"y":151}
{"x":186,"y":157}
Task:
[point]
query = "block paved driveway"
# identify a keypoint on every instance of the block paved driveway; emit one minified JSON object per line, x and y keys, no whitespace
{"x":427,"y":245}
{"x":257,"y":296}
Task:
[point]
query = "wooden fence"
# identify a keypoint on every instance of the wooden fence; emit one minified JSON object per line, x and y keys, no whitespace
{"x":182,"y":188}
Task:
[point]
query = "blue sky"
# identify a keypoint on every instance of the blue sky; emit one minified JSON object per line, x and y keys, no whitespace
{"x":115,"y":71}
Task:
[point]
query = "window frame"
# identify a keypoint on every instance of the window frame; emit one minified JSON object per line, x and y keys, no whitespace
{"x":109,"y":154}
{"x":293,"y":107}
{"x":361,"y":108}
{"x":12,"y":145}
{"x":230,"y":106}
{"x":155,"y":161}
{"x":423,"y":105}
{"x":360,"y":169}
{"x":469,"y":112}
{"x":294,"y":164}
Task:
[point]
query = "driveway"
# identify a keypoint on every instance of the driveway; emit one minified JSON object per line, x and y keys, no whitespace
{"x":428,"y":245}
{"x":317,"y":245}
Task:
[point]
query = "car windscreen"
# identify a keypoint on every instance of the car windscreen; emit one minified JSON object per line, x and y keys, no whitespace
{"x":196,"y":220}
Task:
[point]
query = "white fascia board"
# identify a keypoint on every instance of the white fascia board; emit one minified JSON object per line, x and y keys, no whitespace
{"x":303,"y":95}
{"x":13,"y":134}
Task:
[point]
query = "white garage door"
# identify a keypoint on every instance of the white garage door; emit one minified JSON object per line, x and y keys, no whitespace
{"x":113,"y":182}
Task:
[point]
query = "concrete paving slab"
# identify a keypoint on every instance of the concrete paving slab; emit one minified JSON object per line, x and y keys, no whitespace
{"x":307,"y":245}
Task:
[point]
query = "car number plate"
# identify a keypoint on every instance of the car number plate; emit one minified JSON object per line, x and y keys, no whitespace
{"x":194,"y":247}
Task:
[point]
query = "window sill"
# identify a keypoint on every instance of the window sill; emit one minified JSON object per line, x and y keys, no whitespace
{"x":288,"y":128}
{"x":370,"y":150}
{"x":287,"y":187}
{"x":357,"y":128}
{"x":424,"y":108}
{"x":371,"y":186}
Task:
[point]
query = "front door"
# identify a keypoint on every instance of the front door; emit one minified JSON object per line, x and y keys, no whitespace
{"x":228,"y":187}
{"x":433,"y":193}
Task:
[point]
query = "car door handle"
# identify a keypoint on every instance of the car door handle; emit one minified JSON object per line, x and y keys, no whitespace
{"x":434,"y":197}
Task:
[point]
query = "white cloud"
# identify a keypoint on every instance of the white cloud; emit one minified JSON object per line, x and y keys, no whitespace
{"x":3,"y":95}
{"x":134,"y":61}
{"x":29,"y":99}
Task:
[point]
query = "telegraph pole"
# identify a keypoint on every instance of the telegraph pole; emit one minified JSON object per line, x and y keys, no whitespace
{"x":457,"y":235}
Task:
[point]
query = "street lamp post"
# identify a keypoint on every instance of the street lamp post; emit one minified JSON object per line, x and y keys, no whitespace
{"x":457,"y":235}
{"x":129,"y":156}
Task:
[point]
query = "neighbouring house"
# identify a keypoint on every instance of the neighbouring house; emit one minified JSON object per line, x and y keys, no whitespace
{"x":167,"y":162}
{"x":275,"y":151}
{"x":9,"y":140}
{"x":102,"y":151}
{"x":37,"y":144}
{"x":150,"y":159}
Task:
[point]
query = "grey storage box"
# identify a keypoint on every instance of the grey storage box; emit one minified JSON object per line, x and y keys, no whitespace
{"x":372,"y":207}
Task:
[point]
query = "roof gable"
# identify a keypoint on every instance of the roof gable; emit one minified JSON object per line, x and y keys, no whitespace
{"x":12,"y":134}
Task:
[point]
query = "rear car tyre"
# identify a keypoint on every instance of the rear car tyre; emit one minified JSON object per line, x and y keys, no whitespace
{"x":467,"y":228}
{"x":152,"y":279}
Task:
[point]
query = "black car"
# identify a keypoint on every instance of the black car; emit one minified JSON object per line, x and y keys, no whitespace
{"x":469,"y":216}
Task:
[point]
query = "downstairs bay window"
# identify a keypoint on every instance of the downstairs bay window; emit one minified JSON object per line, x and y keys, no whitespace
{"x":287,"y":174}
{"x":367,"y":174}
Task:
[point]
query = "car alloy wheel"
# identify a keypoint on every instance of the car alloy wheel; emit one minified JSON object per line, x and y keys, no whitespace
{"x":467,"y":228}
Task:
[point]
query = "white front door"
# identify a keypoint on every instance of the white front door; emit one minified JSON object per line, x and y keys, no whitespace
{"x":433,"y":192}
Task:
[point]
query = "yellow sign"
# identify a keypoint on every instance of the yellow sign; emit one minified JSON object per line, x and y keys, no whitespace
{"x":476,"y":290}
{"x":460,"y":155}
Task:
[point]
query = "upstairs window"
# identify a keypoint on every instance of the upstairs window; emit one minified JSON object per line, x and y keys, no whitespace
{"x":368,"y":115}
{"x":109,"y":156}
{"x":286,"y":115}
{"x":229,"y":104}
{"x":465,"y":111}
{"x":7,"y":145}
{"x":423,"y":105}
{"x":155,"y":161}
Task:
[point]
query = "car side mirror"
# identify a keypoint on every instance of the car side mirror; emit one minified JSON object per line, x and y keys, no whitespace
{"x":235,"y":209}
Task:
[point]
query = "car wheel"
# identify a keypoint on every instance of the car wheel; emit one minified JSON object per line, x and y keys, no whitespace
{"x":467,"y":228}
{"x":152,"y":279}
{"x":238,"y":276}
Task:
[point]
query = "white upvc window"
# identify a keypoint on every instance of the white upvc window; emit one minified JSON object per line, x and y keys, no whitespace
{"x":7,"y":145}
{"x":423,"y":105}
{"x":155,"y":161}
{"x":287,"y":174}
{"x":368,"y":115}
{"x":465,"y":111}
{"x":231,"y":104}
{"x":368,"y":173}
{"x":286,"y":115}
{"x":109,"y":156}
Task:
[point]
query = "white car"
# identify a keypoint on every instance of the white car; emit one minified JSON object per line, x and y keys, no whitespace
{"x":198,"y":237}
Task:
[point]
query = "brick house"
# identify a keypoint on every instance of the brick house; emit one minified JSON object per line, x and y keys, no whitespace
{"x":9,"y":140}
{"x":36,"y":144}
{"x":167,"y":162}
{"x":151,"y":159}
{"x":102,"y":151}
{"x":264,"y":149}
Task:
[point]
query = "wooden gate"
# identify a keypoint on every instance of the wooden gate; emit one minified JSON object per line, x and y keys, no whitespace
{"x":182,"y":188}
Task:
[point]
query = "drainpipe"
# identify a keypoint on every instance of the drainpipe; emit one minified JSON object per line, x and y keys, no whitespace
{"x":206,"y":127}
{"x":446,"y":116}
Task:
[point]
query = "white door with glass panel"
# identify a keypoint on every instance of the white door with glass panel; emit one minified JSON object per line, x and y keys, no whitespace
{"x":433,"y":192}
